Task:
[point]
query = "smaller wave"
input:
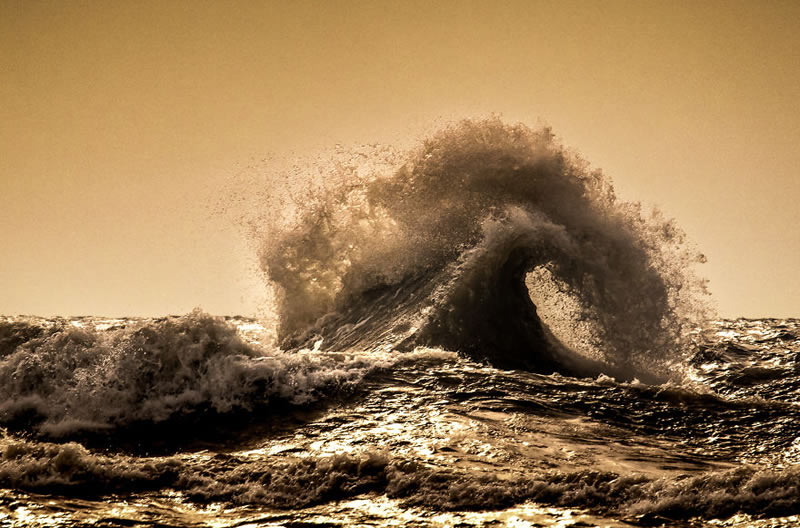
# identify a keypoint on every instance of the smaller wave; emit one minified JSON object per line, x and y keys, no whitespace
{"x":71,"y":468}
{"x":295,"y":482}
{"x":15,"y":333}
{"x":71,"y":380}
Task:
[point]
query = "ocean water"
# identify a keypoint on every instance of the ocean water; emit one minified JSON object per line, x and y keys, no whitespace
{"x":476,"y":332}
{"x":210,"y":434}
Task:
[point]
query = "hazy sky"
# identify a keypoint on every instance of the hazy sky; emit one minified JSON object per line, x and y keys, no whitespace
{"x":121,"y":121}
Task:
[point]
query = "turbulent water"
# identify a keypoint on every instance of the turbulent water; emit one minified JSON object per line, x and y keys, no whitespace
{"x":474,"y":332}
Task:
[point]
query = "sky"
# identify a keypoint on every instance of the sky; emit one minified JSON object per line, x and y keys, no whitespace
{"x":121,"y":122}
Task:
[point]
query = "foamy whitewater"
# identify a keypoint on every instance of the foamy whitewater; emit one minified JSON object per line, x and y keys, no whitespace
{"x":474,"y":332}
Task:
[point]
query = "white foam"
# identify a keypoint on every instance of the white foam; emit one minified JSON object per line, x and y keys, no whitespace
{"x":81,"y":380}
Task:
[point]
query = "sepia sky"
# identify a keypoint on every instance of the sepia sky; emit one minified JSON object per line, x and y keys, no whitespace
{"x":120,"y":122}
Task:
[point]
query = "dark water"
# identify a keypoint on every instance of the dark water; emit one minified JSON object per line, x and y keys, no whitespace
{"x":422,"y":438}
{"x":475,"y":332}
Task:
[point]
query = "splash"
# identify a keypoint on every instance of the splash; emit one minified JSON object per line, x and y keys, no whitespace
{"x":434,"y":247}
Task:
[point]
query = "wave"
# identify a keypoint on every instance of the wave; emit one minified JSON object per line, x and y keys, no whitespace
{"x":293,"y":482}
{"x":433,"y":247}
{"x":64,"y":380}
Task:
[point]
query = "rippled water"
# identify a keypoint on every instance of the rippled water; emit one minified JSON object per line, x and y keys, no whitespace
{"x":429,"y":438}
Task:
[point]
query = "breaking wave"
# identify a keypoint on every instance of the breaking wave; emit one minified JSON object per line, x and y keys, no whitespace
{"x":434,"y":247}
{"x":462,"y":243}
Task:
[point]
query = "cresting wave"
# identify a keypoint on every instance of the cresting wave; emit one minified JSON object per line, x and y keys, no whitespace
{"x":433,"y":247}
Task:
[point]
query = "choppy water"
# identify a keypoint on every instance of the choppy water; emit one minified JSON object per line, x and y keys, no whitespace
{"x":475,"y":332}
{"x":423,"y":438}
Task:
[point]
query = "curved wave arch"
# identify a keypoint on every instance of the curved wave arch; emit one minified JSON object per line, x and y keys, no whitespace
{"x":436,"y":251}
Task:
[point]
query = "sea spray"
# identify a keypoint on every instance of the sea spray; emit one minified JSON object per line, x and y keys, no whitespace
{"x":434,"y":230}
